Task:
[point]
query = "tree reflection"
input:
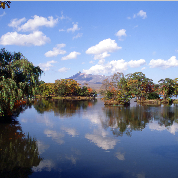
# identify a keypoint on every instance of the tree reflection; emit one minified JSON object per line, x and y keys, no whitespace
{"x":18,"y":152}
{"x":60,"y":107}
{"x":126,"y":119}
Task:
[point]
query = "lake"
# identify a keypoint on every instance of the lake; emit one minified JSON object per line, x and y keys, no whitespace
{"x":55,"y":138}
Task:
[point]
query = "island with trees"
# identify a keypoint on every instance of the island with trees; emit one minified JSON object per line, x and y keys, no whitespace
{"x":121,"y":89}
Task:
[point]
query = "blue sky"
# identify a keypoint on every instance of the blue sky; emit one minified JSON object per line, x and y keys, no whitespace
{"x":103,"y":38}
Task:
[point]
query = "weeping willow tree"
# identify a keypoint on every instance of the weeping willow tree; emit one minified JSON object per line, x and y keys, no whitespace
{"x":19,"y":78}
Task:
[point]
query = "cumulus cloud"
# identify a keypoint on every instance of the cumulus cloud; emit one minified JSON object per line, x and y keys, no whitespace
{"x":143,"y":68}
{"x":70,"y":131}
{"x":101,"y":61}
{"x":120,"y":156}
{"x":155,"y":126}
{"x":63,"y":69}
{"x":56,"y":51}
{"x":15,"y":22}
{"x":78,"y":35}
{"x":141,"y":13}
{"x":114,"y":66}
{"x":47,"y":165}
{"x":46,"y":66}
{"x":42,"y":147}
{"x":55,"y":136}
{"x":72,"y":55}
{"x":37,"y":38}
{"x":121,"y":33}
{"x":74,"y":28}
{"x":136,"y":63}
{"x":103,"y":142}
{"x":33,"y":24}
{"x":61,"y":30}
{"x":172,"y":62}
{"x":101,"y":56}
{"x":104,"y":46}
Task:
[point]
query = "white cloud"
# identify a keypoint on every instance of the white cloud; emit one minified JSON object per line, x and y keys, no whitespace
{"x":55,"y":136}
{"x":61,"y":30}
{"x":172,"y":129}
{"x":129,"y":18}
{"x":37,"y":38}
{"x":101,"y":61}
{"x":42,"y":147}
{"x":72,"y":55}
{"x":46,"y":66}
{"x":101,"y":56}
{"x":63,"y":69}
{"x":74,"y":28}
{"x":91,"y":62}
{"x":78,"y":35}
{"x":143,"y":68}
{"x":114,"y":66}
{"x":15,"y":22}
{"x":120,"y":156}
{"x":3,"y":14}
{"x":141,"y":13}
{"x":136,"y":63}
{"x":172,"y":62}
{"x":44,"y":164}
{"x":56,"y":51}
{"x":101,"y":141}
{"x":63,"y":17}
{"x":106,"y":45}
{"x":176,"y":50}
{"x":121,"y":33}
{"x":70,"y":131}
{"x":33,"y":24}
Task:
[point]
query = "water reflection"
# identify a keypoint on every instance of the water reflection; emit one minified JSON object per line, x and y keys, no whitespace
{"x":126,"y":119}
{"x":102,"y":139}
{"x":18,"y":152}
{"x":62,"y":108}
{"x":87,"y":144}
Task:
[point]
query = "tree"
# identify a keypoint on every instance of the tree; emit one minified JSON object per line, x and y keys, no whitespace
{"x":140,"y":85}
{"x":166,"y":88}
{"x":19,"y":78}
{"x":3,"y":3}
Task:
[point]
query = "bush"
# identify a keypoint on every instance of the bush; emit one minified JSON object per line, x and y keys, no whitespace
{"x":153,"y":95}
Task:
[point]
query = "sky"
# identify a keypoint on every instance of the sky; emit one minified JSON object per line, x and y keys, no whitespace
{"x":94,"y":37}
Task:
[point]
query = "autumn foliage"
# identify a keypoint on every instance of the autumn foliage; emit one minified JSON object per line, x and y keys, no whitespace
{"x":122,"y":88}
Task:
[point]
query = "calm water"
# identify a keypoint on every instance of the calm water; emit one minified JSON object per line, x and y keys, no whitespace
{"x":87,"y":139}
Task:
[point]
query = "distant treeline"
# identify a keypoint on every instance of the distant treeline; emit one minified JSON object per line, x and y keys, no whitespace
{"x":64,"y":87}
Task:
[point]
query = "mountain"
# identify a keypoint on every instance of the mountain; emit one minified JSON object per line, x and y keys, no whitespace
{"x":93,"y":81}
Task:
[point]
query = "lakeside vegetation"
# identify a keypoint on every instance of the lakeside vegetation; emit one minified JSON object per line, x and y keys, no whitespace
{"x":121,"y":89}
{"x":19,"y":80}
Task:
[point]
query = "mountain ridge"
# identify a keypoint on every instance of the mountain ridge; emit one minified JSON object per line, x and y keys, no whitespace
{"x":93,"y":81}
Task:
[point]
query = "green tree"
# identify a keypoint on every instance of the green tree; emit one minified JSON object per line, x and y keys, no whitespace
{"x":140,"y":85}
{"x":19,"y":78}
{"x":166,"y":88}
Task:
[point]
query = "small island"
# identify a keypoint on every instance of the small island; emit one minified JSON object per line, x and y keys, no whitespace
{"x":121,"y":89}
